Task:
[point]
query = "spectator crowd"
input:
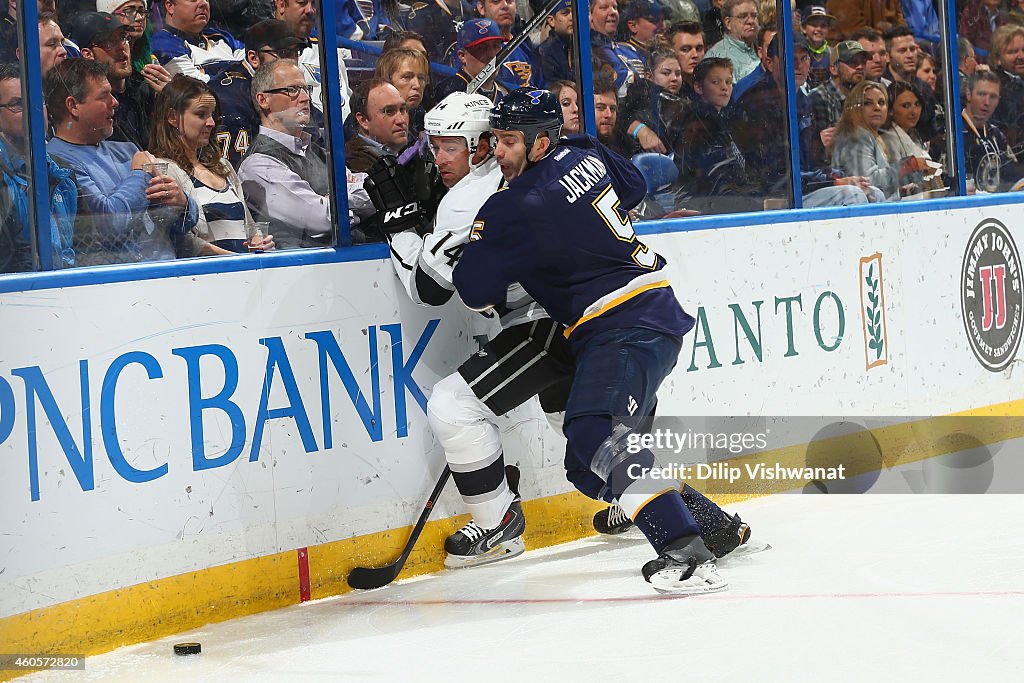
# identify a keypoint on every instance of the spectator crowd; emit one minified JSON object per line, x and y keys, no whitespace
{"x":188,"y":128}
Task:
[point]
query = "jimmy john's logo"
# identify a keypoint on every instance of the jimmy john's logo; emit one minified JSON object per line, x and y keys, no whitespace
{"x":991,"y":296}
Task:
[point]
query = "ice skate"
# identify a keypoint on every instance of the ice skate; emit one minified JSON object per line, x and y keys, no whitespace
{"x":473,"y":545}
{"x":733,"y":540}
{"x":685,"y":567}
{"x":613,"y":521}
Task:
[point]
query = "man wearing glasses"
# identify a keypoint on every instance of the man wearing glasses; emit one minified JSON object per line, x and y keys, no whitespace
{"x":737,"y":45}
{"x":15,"y":253}
{"x":104,"y":38}
{"x":300,"y":16}
{"x":285,"y":176}
{"x":265,"y":41}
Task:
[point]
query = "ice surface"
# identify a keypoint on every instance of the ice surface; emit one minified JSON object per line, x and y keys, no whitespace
{"x":856,"y":588}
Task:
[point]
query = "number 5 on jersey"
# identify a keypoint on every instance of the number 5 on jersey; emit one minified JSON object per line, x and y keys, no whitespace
{"x":607,"y":206}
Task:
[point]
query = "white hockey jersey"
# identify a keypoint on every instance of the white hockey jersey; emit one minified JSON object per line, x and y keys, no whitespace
{"x":181,"y":53}
{"x":309,"y":62}
{"x":425,"y":264}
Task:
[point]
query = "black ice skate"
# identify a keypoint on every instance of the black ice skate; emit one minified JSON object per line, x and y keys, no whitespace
{"x":685,"y":567}
{"x":472,"y":545}
{"x":733,"y":539}
{"x":613,"y":521}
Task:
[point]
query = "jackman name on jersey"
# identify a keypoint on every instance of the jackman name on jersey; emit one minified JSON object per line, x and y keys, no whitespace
{"x":582,"y":177}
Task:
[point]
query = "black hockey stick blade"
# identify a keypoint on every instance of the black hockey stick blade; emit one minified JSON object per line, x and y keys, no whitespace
{"x":365,"y":578}
{"x":511,"y":45}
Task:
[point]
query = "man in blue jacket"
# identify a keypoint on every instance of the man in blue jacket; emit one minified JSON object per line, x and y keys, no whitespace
{"x":556,"y":50}
{"x":62,"y":190}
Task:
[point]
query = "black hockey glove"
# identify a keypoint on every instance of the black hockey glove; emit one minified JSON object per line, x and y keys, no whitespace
{"x":429,"y":188}
{"x":392,"y":189}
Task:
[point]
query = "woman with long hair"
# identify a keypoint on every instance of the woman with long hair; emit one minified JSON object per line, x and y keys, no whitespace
{"x":858,"y":149}
{"x":568,"y":100}
{"x":184,"y":118}
{"x":901,"y":136}
{"x":652,"y":110}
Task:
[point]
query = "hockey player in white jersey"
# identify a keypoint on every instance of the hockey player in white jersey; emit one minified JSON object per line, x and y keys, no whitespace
{"x":529,"y":357}
{"x":467,"y":168}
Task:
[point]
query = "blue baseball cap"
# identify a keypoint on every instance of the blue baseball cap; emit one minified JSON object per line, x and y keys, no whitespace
{"x":564,"y":4}
{"x":477,"y":32}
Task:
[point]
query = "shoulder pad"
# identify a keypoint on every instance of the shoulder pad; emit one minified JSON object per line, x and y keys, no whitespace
{"x":578,"y":140}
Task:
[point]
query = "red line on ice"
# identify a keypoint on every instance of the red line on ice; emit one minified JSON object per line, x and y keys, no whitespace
{"x":715,"y":596}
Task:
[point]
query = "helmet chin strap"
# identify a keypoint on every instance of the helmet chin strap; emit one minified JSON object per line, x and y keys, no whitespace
{"x":551,"y":147}
{"x":490,"y":150}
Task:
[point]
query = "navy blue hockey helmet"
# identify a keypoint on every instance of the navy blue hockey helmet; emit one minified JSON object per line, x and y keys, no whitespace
{"x":530,"y":110}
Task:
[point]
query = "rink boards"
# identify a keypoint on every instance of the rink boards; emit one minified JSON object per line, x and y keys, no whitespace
{"x":189,"y":449}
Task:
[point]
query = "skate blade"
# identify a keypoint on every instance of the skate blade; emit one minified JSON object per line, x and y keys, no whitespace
{"x":703,"y":581}
{"x":633,"y":533}
{"x":746,"y":550}
{"x":505,"y":551}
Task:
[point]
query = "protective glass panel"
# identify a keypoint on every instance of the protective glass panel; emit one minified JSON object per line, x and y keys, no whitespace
{"x":872,"y":116}
{"x":697,"y":101}
{"x":17,"y":229}
{"x":187,"y":132}
{"x":990,"y":47}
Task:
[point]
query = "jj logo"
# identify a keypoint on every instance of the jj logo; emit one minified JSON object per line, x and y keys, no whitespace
{"x":993,"y":296}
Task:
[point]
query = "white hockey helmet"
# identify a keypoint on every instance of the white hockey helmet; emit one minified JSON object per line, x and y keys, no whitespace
{"x":460,"y":115}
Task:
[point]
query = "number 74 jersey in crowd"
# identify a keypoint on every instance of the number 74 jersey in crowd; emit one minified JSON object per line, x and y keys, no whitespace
{"x":562,"y":230}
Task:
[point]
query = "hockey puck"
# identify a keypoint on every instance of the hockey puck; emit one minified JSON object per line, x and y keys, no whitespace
{"x":187,"y":649}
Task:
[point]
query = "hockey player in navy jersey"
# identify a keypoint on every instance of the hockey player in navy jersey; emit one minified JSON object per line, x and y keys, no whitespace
{"x":561,"y":229}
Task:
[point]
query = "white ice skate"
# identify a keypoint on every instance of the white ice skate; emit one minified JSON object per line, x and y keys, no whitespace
{"x":687,"y":579}
{"x":685,"y":567}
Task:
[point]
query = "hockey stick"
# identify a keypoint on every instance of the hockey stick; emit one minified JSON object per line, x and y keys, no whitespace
{"x":365,"y":578}
{"x":511,"y":45}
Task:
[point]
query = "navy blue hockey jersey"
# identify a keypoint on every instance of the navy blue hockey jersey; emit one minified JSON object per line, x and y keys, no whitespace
{"x":239,"y":123}
{"x":561,"y":229}
{"x":520,"y":70}
{"x":181,"y":53}
{"x":439,"y":25}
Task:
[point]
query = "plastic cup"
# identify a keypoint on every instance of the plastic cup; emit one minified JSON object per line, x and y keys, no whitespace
{"x":156,"y":168}
{"x":254,"y":234}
